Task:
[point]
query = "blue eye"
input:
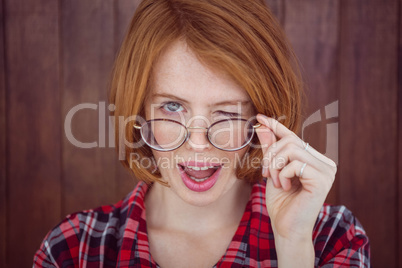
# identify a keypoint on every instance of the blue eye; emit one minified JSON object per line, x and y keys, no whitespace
{"x":173,"y":107}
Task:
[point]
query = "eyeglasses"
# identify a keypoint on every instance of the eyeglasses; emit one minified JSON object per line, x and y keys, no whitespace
{"x":227,"y":135}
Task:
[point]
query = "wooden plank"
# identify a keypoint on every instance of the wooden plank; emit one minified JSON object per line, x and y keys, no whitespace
{"x":368,"y":121}
{"x":399,"y":226}
{"x":312,"y":28}
{"x":3,"y":142}
{"x":277,"y":7}
{"x":88,"y":53}
{"x":124,"y":11}
{"x":33,"y":120}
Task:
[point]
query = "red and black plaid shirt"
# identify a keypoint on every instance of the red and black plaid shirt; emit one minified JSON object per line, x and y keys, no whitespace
{"x":116,"y":236}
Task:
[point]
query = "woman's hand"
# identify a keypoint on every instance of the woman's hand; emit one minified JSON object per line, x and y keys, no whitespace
{"x":293,"y":200}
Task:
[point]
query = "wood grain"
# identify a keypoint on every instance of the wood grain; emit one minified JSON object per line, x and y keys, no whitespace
{"x":312,"y":28}
{"x":399,"y":140}
{"x":277,"y":7}
{"x":88,"y":53}
{"x":3,"y":152}
{"x":33,"y":121}
{"x":124,"y":11}
{"x":368,"y":121}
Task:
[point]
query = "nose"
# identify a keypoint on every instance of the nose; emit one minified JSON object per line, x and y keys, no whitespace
{"x":198,"y":138}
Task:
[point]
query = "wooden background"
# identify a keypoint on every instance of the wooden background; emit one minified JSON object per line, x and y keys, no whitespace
{"x":55,"y":55}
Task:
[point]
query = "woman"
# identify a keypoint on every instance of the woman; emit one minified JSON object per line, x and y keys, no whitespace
{"x":199,"y":85}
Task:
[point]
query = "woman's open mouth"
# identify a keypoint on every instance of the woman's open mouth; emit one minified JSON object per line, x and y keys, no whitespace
{"x":199,"y":177}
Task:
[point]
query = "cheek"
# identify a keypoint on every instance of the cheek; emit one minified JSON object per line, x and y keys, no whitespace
{"x":164,"y":161}
{"x":167,"y":135}
{"x":235,"y":159}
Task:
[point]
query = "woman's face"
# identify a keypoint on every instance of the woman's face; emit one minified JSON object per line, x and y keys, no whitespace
{"x":184,"y":90}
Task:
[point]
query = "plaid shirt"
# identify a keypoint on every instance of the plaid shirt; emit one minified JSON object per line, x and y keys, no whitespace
{"x":116,"y":236}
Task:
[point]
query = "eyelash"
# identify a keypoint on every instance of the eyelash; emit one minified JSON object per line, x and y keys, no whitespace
{"x":228,"y":114}
{"x":165,"y":110}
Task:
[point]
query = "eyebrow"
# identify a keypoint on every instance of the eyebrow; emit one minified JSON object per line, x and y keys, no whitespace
{"x":231,"y":102}
{"x":222,"y":103}
{"x":169,"y":96}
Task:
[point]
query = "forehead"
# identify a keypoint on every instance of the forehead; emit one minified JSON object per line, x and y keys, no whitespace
{"x":178,"y":71}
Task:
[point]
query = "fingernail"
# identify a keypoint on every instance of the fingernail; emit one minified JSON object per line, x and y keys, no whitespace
{"x":264,"y":170}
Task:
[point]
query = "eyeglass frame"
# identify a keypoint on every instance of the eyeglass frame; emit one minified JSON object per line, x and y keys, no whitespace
{"x":188,"y":133}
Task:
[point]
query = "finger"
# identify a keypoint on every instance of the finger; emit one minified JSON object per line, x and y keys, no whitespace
{"x":274,"y":175}
{"x":271,"y":184}
{"x":279,"y":130}
{"x":289,"y":172}
{"x":266,"y":138}
{"x":288,"y":141}
{"x":290,"y":152}
{"x":292,"y":171}
{"x":300,"y":146}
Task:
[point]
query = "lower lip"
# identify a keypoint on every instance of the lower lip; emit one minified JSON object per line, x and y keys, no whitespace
{"x":199,"y":186}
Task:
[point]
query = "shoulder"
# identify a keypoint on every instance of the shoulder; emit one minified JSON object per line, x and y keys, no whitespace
{"x":64,"y":243}
{"x":337,"y":220}
{"x":97,"y":232}
{"x":339,"y":236}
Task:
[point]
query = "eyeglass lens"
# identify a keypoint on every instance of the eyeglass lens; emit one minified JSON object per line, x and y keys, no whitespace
{"x":163,"y":135}
{"x":230,"y":134}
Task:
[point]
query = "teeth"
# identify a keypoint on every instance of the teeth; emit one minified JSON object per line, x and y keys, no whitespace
{"x":195,"y":168}
{"x":198,"y":180}
{"x":200,"y":168}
